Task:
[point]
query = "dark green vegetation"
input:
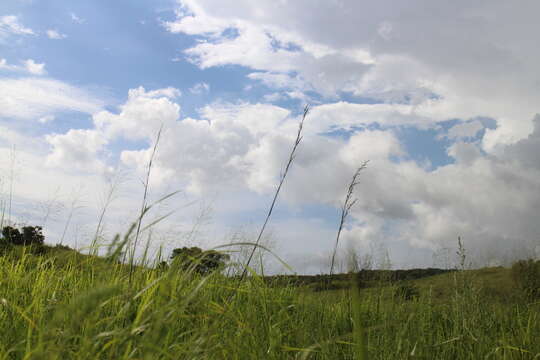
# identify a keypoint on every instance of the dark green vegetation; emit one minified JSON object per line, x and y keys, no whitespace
{"x":59,"y":304}
{"x":362,"y":279}
{"x":526,"y":274}
{"x":30,"y":235}
{"x":203,"y":262}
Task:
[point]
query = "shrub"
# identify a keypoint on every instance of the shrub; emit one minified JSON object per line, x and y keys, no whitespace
{"x":11,"y":235}
{"x":31,"y":235}
{"x":526,"y":275}
{"x":202,"y":262}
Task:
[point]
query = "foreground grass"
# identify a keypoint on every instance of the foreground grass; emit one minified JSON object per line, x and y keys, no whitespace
{"x":75,"y":307}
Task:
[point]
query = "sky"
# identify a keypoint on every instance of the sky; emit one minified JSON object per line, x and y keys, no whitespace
{"x":441,"y":98}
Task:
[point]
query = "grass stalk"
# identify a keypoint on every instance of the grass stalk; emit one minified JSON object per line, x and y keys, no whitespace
{"x":292,"y":155}
{"x":345,"y":210}
{"x":144,"y":202}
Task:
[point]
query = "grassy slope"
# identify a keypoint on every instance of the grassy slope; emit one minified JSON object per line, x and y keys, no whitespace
{"x":66,"y":305}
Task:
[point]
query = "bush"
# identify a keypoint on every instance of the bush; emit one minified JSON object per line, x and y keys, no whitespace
{"x":526,"y":275}
{"x":31,"y":235}
{"x":202,"y":262}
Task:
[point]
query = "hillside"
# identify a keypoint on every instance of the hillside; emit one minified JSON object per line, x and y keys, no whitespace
{"x":62,"y":304}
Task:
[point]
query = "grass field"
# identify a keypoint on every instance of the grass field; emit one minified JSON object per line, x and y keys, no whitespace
{"x":64,"y":305}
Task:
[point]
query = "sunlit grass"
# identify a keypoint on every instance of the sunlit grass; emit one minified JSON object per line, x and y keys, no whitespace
{"x":66,"y":305}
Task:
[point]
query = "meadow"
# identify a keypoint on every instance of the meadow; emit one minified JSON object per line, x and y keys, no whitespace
{"x":59,"y":304}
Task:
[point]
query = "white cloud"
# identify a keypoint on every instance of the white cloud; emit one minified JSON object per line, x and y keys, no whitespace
{"x":238,"y":151}
{"x":28,"y":66}
{"x":449,"y":61}
{"x":410,"y":204}
{"x":243,"y":147}
{"x":34,"y":68}
{"x":200,"y":88}
{"x":34,"y":98}
{"x":141,"y":116}
{"x":193,"y":25}
{"x":464,"y":153}
{"x":10,"y":25}
{"x":268,"y":48}
{"x":421,"y":64}
{"x":344,"y":115}
{"x":273,"y":97}
{"x":278,"y":80}
{"x":55,"y":34}
{"x":215,"y":145}
{"x":77,"y":150}
{"x":76,"y":19}
{"x":465,"y":130}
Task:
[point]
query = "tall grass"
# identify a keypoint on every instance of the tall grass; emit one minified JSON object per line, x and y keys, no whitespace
{"x":70,"y":306}
{"x":60,"y":304}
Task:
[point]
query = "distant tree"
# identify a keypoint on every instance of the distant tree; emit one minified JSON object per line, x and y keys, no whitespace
{"x":12,"y":235}
{"x":202,"y":262}
{"x":31,"y":235}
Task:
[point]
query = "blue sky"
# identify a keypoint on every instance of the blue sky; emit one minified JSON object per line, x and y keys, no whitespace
{"x":417,"y":90}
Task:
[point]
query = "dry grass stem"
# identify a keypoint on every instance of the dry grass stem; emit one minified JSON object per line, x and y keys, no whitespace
{"x":345,"y":210}
{"x":276,"y":194}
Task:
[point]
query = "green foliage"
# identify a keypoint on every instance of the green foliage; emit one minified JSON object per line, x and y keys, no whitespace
{"x":31,"y":235}
{"x":90,"y":312}
{"x":526,"y":274}
{"x":65,"y":305}
{"x":364,"y":278}
{"x":199,"y":261}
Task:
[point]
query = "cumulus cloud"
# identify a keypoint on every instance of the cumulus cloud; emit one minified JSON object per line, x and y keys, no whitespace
{"x":446,"y":61}
{"x":464,"y":153}
{"x":266,"y":47}
{"x":525,"y":151}
{"x":34,"y":68}
{"x":277,"y":80}
{"x":141,"y":116}
{"x":401,"y":201}
{"x":465,"y":130}
{"x":28,"y":66}
{"x":398,"y":65}
{"x":239,"y":150}
{"x":138,"y":119}
{"x":77,"y":150}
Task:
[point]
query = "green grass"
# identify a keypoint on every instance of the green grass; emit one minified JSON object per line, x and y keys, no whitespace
{"x":64,"y":305}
